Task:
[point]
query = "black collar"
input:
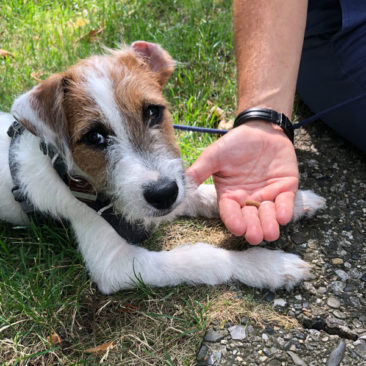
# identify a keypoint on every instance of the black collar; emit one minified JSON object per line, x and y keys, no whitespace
{"x":80,"y":188}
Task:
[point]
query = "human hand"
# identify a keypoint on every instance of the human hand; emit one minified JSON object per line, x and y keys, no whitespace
{"x":255,"y":161}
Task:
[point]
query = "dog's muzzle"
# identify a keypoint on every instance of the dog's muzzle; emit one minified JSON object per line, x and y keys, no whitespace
{"x":161,"y":194}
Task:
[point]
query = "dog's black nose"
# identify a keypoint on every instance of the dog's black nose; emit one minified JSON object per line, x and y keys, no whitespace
{"x":161,"y":194}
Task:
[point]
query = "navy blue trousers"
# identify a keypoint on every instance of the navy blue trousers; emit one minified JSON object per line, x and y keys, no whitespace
{"x":333,"y":65}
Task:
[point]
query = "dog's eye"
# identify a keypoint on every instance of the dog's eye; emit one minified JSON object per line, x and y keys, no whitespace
{"x":96,"y":139}
{"x":153,"y":114}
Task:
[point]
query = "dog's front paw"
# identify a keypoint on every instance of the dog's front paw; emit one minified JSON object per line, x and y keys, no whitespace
{"x":272,"y":269}
{"x":294,"y":271}
{"x":307,"y":203}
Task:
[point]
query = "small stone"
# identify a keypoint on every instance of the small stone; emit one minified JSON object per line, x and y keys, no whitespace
{"x":265,"y":337}
{"x":237,"y":332}
{"x":355,"y":256}
{"x":355,"y":273}
{"x":333,"y":302}
{"x":349,"y":288}
{"x":201,"y":355}
{"x":309,"y":287}
{"x":342,"y":274}
{"x":296,"y":359}
{"x":279,"y":302}
{"x":363,"y":278}
{"x":337,"y":354}
{"x":337,"y":261}
{"x":214,"y":359}
{"x":292,"y":347}
{"x":339,"y":314}
{"x":298,"y":297}
{"x":298,"y":238}
{"x":361,"y":348}
{"x":251,"y":330}
{"x":269,"y":296}
{"x":213,"y":336}
{"x":337,"y":287}
{"x":243,"y":320}
{"x":274,"y":362}
{"x":322,"y":290}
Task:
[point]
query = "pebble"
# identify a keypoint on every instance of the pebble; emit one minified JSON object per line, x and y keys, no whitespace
{"x":201,"y":355}
{"x":279,"y":302}
{"x":337,"y":354}
{"x":237,"y":332}
{"x":339,"y":314}
{"x":337,"y":287}
{"x":298,"y":238}
{"x":296,"y":359}
{"x":363,"y":278}
{"x":337,"y":261}
{"x":214,"y":359}
{"x":333,"y":302}
{"x":342,"y":274}
{"x":360,"y":348}
{"x":355,"y":273}
{"x":213,"y":336}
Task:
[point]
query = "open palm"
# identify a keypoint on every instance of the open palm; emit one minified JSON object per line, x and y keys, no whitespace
{"x":255,"y":161}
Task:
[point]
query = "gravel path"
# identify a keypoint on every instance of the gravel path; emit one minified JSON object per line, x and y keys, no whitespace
{"x":331,"y":307}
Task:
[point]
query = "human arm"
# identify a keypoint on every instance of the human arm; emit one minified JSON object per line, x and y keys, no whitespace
{"x":256,"y":160}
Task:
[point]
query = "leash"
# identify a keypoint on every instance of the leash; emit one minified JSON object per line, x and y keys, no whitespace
{"x":295,"y":126}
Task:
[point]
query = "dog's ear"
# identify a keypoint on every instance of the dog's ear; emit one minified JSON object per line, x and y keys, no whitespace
{"x":158,"y":60}
{"x":41,"y":110}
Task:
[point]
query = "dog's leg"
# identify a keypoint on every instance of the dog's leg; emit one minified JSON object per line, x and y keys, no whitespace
{"x":115,"y":264}
{"x":203,"y":202}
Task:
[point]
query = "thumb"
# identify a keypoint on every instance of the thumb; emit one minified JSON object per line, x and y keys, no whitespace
{"x":205,"y":165}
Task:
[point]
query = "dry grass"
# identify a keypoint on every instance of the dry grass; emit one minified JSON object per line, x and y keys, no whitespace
{"x":147,"y":326}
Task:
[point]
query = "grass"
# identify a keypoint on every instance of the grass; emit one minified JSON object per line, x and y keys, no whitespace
{"x":50,"y":312}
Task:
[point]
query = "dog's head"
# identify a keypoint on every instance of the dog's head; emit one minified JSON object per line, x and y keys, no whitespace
{"x":108,"y":118}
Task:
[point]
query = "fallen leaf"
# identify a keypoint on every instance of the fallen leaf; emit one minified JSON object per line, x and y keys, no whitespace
{"x":226,"y":125}
{"x":37,"y":75}
{"x":128,"y":308}
{"x":101,"y":348}
{"x":55,"y":339}
{"x":92,"y":35}
{"x":5,"y":54}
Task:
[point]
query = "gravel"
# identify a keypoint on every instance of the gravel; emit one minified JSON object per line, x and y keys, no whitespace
{"x":331,"y":307}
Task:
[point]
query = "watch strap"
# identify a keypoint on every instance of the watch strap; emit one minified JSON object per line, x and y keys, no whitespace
{"x":268,"y":115}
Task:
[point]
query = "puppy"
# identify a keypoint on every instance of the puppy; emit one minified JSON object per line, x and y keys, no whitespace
{"x":104,"y":124}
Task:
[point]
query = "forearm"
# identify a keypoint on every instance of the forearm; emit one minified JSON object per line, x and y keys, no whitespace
{"x":268,"y":37}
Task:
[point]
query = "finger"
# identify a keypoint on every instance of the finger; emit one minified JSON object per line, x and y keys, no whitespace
{"x":205,"y":165}
{"x":270,"y":192}
{"x":231,"y":215}
{"x":254,"y":233}
{"x":267,"y":216}
{"x":285,"y":207}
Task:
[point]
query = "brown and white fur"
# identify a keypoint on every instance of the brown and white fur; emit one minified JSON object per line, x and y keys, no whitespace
{"x":108,"y":118}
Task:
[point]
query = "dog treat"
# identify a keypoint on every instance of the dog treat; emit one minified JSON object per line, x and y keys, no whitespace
{"x":252,"y":203}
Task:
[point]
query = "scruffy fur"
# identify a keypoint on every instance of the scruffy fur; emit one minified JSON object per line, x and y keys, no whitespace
{"x":115,"y":91}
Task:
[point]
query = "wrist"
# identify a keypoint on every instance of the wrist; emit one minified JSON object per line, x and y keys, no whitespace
{"x":266,"y":115}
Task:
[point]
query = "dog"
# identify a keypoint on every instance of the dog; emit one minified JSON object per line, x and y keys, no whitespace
{"x":105,"y":122}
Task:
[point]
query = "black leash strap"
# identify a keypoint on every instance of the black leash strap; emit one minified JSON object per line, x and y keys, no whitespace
{"x":302,"y":123}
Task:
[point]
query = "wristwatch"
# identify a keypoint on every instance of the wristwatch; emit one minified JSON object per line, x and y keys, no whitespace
{"x":268,"y":115}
